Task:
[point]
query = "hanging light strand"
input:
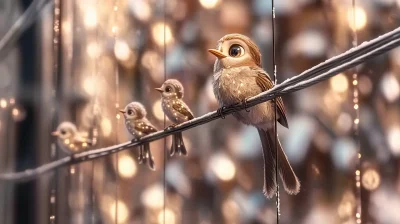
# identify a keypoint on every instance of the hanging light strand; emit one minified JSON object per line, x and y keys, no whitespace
{"x":116,"y":71}
{"x":56,"y":70}
{"x":278,"y":213}
{"x":356,"y":123}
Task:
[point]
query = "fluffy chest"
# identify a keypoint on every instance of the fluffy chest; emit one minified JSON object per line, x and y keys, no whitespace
{"x":234,"y":85}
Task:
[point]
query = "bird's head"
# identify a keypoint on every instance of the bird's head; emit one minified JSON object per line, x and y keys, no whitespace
{"x":65,"y":130}
{"x":133,"y":111}
{"x":236,"y":50}
{"x":171,"y":88}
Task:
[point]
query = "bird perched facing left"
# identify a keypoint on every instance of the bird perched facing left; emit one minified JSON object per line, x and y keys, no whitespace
{"x":238,"y":75}
{"x":176,"y":110}
{"x":69,"y":139}
{"x":138,"y":126}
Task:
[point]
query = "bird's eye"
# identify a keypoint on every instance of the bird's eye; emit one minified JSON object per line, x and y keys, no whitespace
{"x":168,"y":89}
{"x":236,"y":50}
{"x":130,"y":112}
{"x":63,"y":132}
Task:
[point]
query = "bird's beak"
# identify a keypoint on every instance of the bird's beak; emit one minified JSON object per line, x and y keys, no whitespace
{"x":122,"y":111}
{"x":217,"y":53}
{"x":159,"y":90}
{"x":55,"y":133}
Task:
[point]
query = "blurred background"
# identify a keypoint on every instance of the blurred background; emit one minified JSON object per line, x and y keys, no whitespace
{"x":84,"y":60}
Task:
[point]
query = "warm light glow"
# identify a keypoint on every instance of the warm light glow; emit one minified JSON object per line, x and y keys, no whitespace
{"x":390,"y":87}
{"x":126,"y":166}
{"x":15,"y":112}
{"x":339,"y":83}
{"x":3,"y":103}
{"x":114,"y":29}
{"x":357,"y":172}
{"x":93,"y":50}
{"x":122,"y":50}
{"x":223,"y":167}
{"x":356,"y":106}
{"x":157,"y":110}
{"x":90,"y":19}
{"x":170,"y":216}
{"x":12,"y":101}
{"x":118,"y":116}
{"x":157,"y":31}
{"x":122,"y":212}
{"x":356,"y":121}
{"x":230,"y":209}
{"x":209,"y":4}
{"x":152,"y":195}
{"x":370,"y":179}
{"x":84,"y":145}
{"x":393,"y":139}
{"x":66,"y":141}
{"x":141,"y":9}
{"x":106,"y":127}
{"x":90,"y":85}
{"x":360,"y":18}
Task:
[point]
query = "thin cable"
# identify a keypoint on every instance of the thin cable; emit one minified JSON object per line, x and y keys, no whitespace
{"x":275,"y":112}
{"x":165,"y":139}
{"x":315,"y":75}
{"x":115,"y":30}
{"x":356,"y":124}
{"x":56,"y":72}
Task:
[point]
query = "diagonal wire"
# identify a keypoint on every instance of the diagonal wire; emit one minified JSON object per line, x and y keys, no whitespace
{"x":315,"y":75}
{"x":23,"y":23}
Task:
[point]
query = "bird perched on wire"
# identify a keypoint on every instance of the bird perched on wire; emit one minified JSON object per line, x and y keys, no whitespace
{"x":138,"y":125}
{"x":69,"y":139}
{"x":238,"y":75}
{"x":176,"y":110}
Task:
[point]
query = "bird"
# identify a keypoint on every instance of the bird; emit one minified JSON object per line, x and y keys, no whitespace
{"x":69,"y":139}
{"x":176,"y":110}
{"x":238,"y":75}
{"x":138,"y":126}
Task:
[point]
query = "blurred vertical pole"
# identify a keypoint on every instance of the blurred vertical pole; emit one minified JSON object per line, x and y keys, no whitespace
{"x":25,"y":139}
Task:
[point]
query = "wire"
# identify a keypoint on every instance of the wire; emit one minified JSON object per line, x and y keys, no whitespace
{"x":275,"y":112}
{"x":315,"y":75}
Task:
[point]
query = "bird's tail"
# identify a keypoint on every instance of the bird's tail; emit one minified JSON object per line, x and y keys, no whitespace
{"x":178,"y":146}
{"x":288,"y":177}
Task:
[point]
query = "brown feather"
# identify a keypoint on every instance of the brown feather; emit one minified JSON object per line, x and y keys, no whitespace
{"x":178,"y":106}
{"x":144,"y":128}
{"x":265,"y":83}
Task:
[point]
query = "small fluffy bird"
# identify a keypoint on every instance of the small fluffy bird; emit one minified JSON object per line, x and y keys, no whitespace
{"x":138,"y":125}
{"x":176,"y":110}
{"x":69,"y":139}
{"x":238,"y":75}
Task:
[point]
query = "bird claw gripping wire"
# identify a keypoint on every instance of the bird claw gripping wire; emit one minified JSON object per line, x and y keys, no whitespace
{"x":220,"y":110}
{"x":244,"y":102}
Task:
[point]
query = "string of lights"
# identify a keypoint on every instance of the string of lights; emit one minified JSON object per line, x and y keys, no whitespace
{"x":356,"y":122}
{"x":115,"y":34}
{"x":275,"y":115}
{"x":318,"y":73}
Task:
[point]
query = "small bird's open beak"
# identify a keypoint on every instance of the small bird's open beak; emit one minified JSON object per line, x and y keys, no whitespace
{"x":55,"y":133}
{"x":122,"y":111}
{"x":217,"y":53}
{"x":159,"y":90}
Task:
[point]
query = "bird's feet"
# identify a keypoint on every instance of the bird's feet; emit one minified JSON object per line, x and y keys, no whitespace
{"x":220,"y":112}
{"x":172,"y":126}
{"x":244,"y":102}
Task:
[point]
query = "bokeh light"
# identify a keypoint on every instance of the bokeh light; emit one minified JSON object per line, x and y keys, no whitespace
{"x":169,"y":215}
{"x":360,"y":18}
{"x":390,"y":87}
{"x":370,"y":179}
{"x":121,"y":210}
{"x":90,"y":18}
{"x":106,"y":126}
{"x":209,"y":4}
{"x":158,"y":32}
{"x":339,"y":83}
{"x":223,"y":167}
{"x":122,"y":50}
{"x":152,"y":195}
{"x":126,"y":166}
{"x":393,"y":138}
{"x":3,"y":103}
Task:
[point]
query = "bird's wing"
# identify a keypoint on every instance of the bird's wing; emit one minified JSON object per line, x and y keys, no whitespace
{"x":265,"y":83}
{"x":81,"y":139}
{"x":145,"y":127}
{"x":183,"y":109}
